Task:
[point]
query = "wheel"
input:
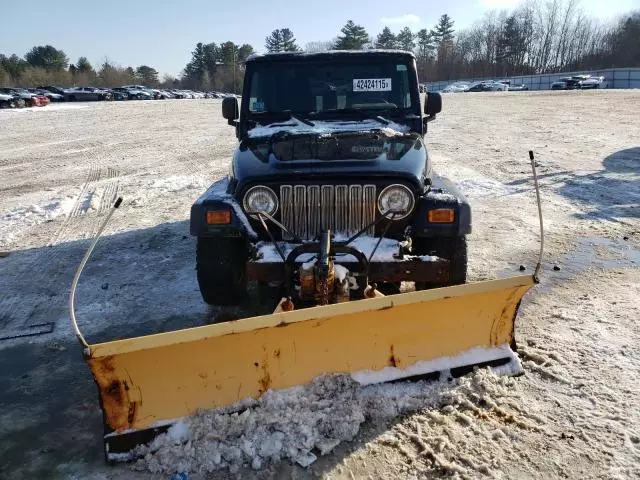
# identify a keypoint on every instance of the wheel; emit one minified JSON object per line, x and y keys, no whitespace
{"x":453,"y":249}
{"x":72,"y":98}
{"x":5,"y":104}
{"x":221,"y":270}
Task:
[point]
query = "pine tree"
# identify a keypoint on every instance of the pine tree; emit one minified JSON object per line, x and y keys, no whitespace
{"x":443,"y":31}
{"x":244,"y":51}
{"x":47,"y":57}
{"x":288,"y":41}
{"x":13,"y":65}
{"x":130,"y":72}
{"x":406,"y":39}
{"x":83,"y":65}
{"x":354,"y":37}
{"x":386,"y":39}
{"x":426,"y":47}
{"x":274,"y":42}
{"x":510,"y":43}
{"x":147,"y":75}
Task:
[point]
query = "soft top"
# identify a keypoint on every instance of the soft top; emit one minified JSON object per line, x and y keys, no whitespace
{"x":330,"y":54}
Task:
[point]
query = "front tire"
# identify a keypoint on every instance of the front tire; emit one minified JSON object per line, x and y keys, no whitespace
{"x":221,"y":270}
{"x":453,"y":249}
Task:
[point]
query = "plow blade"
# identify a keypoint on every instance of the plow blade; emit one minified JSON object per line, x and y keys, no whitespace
{"x":145,"y":383}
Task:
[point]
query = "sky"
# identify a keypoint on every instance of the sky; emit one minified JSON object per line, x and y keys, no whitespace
{"x":163,"y":36}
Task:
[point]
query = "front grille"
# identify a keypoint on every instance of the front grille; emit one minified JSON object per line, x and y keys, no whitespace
{"x":307,"y":210}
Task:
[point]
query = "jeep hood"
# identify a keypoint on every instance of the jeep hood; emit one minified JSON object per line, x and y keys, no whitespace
{"x":331,"y":149}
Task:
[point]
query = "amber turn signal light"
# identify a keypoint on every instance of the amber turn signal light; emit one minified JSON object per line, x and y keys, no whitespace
{"x":441,"y":215}
{"x":219,"y":217}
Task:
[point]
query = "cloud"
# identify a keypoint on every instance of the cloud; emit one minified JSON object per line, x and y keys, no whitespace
{"x":406,"y":19}
{"x":499,"y":4}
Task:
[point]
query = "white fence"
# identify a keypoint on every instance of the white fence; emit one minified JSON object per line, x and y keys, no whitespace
{"x":613,"y":78}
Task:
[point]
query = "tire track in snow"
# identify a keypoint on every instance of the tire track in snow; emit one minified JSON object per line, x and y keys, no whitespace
{"x":45,"y":263}
{"x":31,"y":267}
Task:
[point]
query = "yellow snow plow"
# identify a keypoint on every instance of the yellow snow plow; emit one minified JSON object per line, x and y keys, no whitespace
{"x":147,"y":383}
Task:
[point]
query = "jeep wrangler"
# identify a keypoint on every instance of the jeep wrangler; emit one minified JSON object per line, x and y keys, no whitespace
{"x":331,"y":193}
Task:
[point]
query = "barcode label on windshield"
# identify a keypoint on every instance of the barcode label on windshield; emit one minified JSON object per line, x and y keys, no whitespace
{"x":371,"y":84}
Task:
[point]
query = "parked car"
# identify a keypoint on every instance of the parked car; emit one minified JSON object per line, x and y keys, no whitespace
{"x":41,"y":100}
{"x":591,"y":82}
{"x":487,"y":86}
{"x":176,"y":93}
{"x":137,"y":93}
{"x":30,"y":99}
{"x":159,"y":94}
{"x":117,"y":94}
{"x":53,"y":97}
{"x":518,"y":88}
{"x":53,"y":89}
{"x":8,"y":100}
{"x":85,"y":94}
{"x":121,"y":93}
{"x":141,"y":92}
{"x":456,"y":87}
{"x":567,"y":83}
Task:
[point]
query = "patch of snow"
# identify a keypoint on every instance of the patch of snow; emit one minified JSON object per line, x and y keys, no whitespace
{"x":482,"y":187}
{"x":298,"y":423}
{"x":327,"y":127}
{"x":309,"y":264}
{"x":470,"y":357}
{"x":120,"y":457}
{"x":148,"y":190}
{"x":340,"y":272}
{"x":15,"y":221}
{"x":179,"y":432}
{"x":46,"y":108}
{"x":285,"y":424}
{"x":472,"y":183}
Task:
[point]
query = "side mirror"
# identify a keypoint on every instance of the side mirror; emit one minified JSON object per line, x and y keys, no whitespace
{"x":230,"y":109}
{"x":433,"y":104}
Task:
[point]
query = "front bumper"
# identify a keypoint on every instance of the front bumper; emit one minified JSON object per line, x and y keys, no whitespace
{"x":385,"y":265}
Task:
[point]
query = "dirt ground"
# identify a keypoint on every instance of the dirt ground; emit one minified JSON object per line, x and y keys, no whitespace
{"x":574,"y":414}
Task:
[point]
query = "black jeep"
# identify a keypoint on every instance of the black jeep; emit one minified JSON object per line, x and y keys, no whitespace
{"x":331,"y":193}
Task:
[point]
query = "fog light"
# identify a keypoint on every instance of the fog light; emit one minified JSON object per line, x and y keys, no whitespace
{"x":441,"y":215}
{"x":219,"y":217}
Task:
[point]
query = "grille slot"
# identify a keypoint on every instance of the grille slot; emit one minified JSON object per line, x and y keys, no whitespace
{"x":307,"y":210}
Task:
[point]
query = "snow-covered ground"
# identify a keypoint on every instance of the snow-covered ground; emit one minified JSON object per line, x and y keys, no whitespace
{"x":574,"y":414}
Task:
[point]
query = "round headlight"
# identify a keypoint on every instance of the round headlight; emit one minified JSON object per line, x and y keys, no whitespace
{"x":260,"y":199}
{"x":396,"y":199}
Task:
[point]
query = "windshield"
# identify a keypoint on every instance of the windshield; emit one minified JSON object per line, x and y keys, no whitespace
{"x":314,"y":88}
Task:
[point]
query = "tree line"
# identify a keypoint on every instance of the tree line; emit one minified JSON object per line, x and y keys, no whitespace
{"x":46,"y":65}
{"x":534,"y":38}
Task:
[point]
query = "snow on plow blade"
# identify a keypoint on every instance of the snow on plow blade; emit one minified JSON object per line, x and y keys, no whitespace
{"x":147,"y":382}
